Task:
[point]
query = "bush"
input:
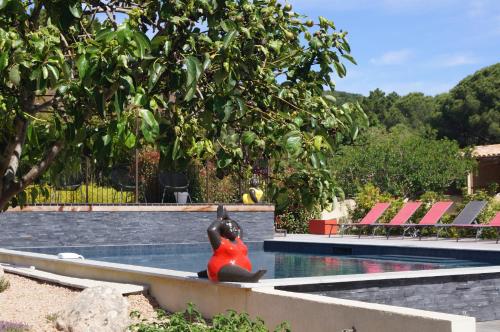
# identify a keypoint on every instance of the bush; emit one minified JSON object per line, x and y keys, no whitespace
{"x":4,"y":284}
{"x":402,"y":163}
{"x":191,"y":320}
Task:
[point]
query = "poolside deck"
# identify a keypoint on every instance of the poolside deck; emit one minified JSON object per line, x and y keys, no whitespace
{"x":430,"y":242}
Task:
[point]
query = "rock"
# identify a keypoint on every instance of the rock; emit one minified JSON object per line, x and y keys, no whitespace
{"x":1,"y":272}
{"x":96,"y":309}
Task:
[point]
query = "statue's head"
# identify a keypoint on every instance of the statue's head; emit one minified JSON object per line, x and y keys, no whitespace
{"x":229,"y":230}
{"x":254,"y":182}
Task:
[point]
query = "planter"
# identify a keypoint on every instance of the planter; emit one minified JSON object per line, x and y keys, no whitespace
{"x":319,"y":226}
{"x":181,"y":197}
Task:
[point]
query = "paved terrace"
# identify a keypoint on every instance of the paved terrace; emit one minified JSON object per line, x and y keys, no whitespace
{"x":431,"y":242}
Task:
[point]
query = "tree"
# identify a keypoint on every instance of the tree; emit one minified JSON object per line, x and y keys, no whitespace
{"x":402,"y":163}
{"x":418,"y":110}
{"x":226,"y":80}
{"x":471,"y":112}
{"x":378,"y":107}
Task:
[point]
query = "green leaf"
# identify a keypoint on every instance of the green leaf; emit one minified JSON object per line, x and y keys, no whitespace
{"x":248,"y":137}
{"x":142,"y":42}
{"x":76,"y":9}
{"x":314,"y":160}
{"x":83,"y":65}
{"x":105,"y":35}
{"x":167,"y":47}
{"x":176,"y":148}
{"x":148,"y":117}
{"x":53,"y":71}
{"x":194,"y":71}
{"x":130,"y":140}
{"x":15,"y":75}
{"x":293,"y":142}
{"x":106,"y":139}
{"x":330,"y":98}
{"x":3,"y":4}
{"x":350,"y":58}
{"x":228,"y":39}
{"x":155,"y":72}
{"x":4,"y":60}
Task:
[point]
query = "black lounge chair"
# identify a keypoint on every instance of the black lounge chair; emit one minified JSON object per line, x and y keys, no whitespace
{"x":466,"y":218}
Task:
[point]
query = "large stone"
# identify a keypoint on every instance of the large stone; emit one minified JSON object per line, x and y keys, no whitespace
{"x":96,"y":309}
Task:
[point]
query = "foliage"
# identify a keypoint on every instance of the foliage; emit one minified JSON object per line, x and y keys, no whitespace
{"x":13,"y":327}
{"x":4,"y":284}
{"x":470,"y":113}
{"x":191,"y":320}
{"x":401,"y":163}
{"x":233,"y":81}
{"x":296,"y":219}
{"x":366,"y":198}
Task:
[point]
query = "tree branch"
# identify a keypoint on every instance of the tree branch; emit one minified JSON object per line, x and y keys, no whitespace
{"x":14,"y":152}
{"x":32,"y":175}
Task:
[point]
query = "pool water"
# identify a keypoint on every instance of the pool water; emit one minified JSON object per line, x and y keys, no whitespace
{"x":289,"y":265}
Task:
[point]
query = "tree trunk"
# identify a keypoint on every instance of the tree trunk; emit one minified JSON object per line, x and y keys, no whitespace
{"x":32,"y":175}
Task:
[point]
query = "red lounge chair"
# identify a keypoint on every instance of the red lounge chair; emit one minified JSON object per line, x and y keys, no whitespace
{"x":400,"y":218}
{"x":370,"y":218}
{"x":431,"y":218}
{"x":494,"y":223}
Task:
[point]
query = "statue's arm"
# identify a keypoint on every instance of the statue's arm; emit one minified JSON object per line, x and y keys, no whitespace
{"x":253,"y":196}
{"x":240,"y":230}
{"x":214,"y":234}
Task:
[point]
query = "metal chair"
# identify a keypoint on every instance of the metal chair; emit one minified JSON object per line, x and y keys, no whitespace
{"x":173,"y":182}
{"x":122,"y":181}
{"x":70,"y":183}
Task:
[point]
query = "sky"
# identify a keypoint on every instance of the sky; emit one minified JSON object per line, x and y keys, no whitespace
{"x":412,"y":45}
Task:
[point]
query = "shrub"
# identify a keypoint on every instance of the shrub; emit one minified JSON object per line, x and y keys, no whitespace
{"x":4,"y":284}
{"x":191,"y":320}
{"x":13,"y":327}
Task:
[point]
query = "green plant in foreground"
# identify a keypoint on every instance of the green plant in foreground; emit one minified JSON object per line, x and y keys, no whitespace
{"x":191,"y":320}
{"x":4,"y":284}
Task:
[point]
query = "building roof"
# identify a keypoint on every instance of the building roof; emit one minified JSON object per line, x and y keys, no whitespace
{"x":486,"y":151}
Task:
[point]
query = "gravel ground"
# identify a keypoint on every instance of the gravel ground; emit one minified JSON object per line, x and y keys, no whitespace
{"x":37,"y":303}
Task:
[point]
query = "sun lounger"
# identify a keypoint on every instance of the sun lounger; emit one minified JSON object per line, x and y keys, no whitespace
{"x":494,"y":223}
{"x":466,"y":218}
{"x":370,"y":218}
{"x":402,"y":217}
{"x":430,"y":219}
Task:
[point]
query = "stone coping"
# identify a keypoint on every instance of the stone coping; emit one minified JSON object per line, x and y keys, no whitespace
{"x":195,"y":207}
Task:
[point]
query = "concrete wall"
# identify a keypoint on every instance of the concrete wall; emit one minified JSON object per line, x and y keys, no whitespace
{"x":304,"y":312}
{"x":472,"y":295}
{"x":50,"y":229}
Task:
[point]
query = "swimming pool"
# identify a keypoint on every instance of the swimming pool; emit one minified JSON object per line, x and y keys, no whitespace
{"x":279,"y":264}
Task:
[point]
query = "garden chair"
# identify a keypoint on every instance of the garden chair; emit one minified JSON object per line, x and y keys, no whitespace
{"x":431,"y":218}
{"x":67,"y":184}
{"x":401,"y":218}
{"x":494,"y":223}
{"x":174,"y":183}
{"x":370,"y":218}
{"x":121,"y":181}
{"x":465,"y":218}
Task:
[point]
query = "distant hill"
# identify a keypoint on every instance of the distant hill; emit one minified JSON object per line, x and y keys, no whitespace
{"x":345,"y":97}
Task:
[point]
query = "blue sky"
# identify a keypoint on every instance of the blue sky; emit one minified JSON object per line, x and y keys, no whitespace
{"x":412,"y":45}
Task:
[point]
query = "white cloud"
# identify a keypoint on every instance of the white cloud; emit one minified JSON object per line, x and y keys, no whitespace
{"x":454,"y":60}
{"x":393,"y":57}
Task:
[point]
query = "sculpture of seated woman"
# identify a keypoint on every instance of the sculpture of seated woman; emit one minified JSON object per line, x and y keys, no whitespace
{"x":229,"y":261}
{"x":254,"y":194}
